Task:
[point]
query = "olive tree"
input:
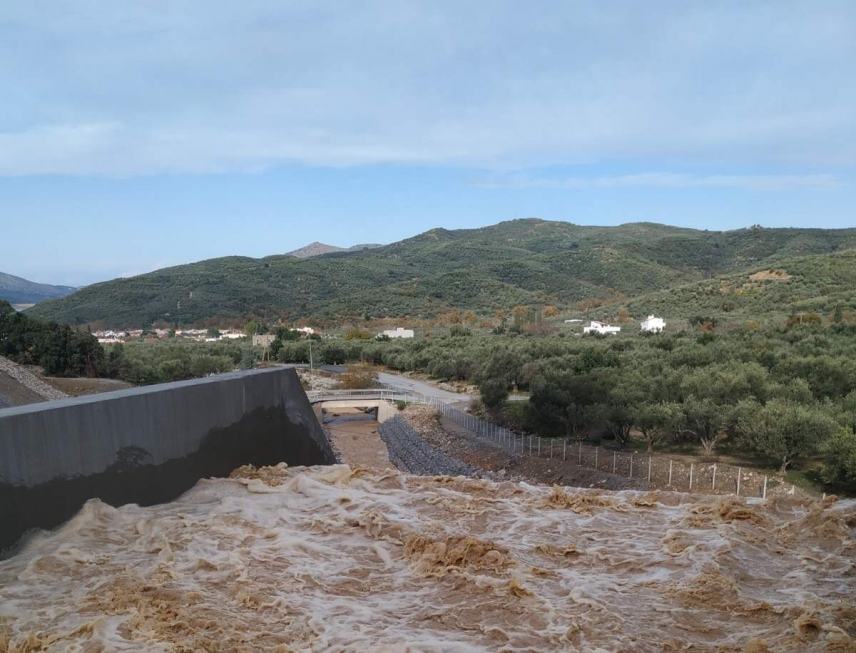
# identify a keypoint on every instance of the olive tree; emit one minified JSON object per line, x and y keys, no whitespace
{"x":785,"y":430}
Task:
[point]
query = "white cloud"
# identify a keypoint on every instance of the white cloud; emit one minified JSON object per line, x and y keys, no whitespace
{"x":106,"y":89}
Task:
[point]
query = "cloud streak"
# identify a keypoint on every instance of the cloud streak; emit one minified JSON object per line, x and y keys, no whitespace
{"x":667,"y":180}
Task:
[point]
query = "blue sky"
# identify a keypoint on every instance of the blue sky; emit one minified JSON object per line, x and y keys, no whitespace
{"x":134,"y":136}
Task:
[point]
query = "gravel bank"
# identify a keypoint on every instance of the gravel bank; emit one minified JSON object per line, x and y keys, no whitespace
{"x":410,"y":453}
{"x":29,"y":380}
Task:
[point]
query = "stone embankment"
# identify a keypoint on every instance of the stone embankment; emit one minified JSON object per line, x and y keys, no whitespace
{"x":29,"y":380}
{"x":409,"y":452}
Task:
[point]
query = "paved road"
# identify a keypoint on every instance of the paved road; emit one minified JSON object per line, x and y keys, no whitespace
{"x":405,"y":384}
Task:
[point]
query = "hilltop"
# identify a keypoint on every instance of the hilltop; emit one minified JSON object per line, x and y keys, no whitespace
{"x":319,"y":249}
{"x":526,"y":261}
{"x":16,"y":290}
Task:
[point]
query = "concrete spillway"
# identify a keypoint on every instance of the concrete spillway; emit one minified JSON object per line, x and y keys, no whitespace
{"x":148,"y":445}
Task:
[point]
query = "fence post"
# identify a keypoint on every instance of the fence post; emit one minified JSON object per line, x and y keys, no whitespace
{"x":631,"y":466}
{"x":613,"y":461}
{"x":595,"y":457}
{"x":713,"y":484}
{"x":739,"y":474}
{"x":565,"y":449}
{"x":691,"y":476}
{"x":670,"y":474}
{"x":764,"y":491}
{"x":649,"y":469}
{"x":551,"y":448}
{"x":539,"y":445}
{"x":581,"y":452}
{"x":530,"y":445}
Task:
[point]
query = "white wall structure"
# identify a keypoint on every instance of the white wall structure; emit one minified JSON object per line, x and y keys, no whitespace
{"x":398,"y":332}
{"x":653,"y":324}
{"x":601,"y":328}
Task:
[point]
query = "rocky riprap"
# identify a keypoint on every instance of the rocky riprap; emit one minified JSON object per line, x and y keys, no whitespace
{"x":29,"y":380}
{"x":409,"y":452}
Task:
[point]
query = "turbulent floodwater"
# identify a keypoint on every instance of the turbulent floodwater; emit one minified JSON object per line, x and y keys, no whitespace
{"x":330,"y":559}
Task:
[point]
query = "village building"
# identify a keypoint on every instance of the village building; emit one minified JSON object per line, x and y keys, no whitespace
{"x":264,"y":340}
{"x":398,"y":332}
{"x":653,"y":324}
{"x":601,"y":328}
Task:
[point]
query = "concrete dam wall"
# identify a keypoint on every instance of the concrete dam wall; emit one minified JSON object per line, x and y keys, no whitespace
{"x":148,"y":445}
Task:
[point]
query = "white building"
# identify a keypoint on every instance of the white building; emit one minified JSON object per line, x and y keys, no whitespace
{"x":307,"y":331}
{"x":398,"y":332}
{"x":263,"y":340}
{"x":601,"y":328}
{"x":653,"y":324}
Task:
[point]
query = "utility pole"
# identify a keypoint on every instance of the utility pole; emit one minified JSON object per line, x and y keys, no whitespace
{"x":310,"y":360}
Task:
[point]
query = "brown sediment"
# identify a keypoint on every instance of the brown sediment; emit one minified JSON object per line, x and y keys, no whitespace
{"x":273,"y":476}
{"x":341,"y":559}
{"x":569,"y":551}
{"x":728,"y":509}
{"x":434,"y":557}
{"x":581,"y":502}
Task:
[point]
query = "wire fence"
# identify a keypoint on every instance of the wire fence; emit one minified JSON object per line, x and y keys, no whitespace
{"x":658,"y":471}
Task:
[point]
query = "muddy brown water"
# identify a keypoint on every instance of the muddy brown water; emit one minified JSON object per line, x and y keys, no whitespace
{"x":355,"y":437}
{"x":336,"y":559}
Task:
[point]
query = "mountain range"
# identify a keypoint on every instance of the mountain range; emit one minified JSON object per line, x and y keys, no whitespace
{"x":753,"y":272}
{"x":16,"y":290}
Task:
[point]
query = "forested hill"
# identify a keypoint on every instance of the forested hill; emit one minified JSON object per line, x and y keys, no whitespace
{"x":21,"y":291}
{"x":516,"y":262}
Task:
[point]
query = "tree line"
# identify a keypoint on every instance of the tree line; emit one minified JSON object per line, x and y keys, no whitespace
{"x":788,"y":394}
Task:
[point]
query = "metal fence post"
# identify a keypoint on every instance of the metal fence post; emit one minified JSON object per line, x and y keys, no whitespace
{"x":691,"y":476}
{"x":581,"y":452}
{"x":530,"y":445}
{"x":551,"y":448}
{"x":670,"y":474}
{"x":764,"y":491}
{"x":595,"y":457}
{"x":614,"y":458}
{"x":649,"y":469}
{"x":565,"y":449}
{"x":739,"y":474}
{"x":631,"y":466}
{"x":713,"y":482}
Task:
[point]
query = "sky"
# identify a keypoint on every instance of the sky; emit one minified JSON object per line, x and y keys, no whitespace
{"x":135,"y":136}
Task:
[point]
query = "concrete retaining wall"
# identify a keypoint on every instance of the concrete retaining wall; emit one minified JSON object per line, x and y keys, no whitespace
{"x":148,"y":445}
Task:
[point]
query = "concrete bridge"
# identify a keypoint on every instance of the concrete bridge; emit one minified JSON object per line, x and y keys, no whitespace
{"x":384,"y":400}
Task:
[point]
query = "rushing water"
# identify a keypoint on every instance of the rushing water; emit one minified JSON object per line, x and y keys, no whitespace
{"x":329,"y":559}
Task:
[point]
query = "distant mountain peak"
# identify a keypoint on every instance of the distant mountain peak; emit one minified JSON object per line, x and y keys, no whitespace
{"x":317,"y":249}
{"x":314,"y":249}
{"x":16,"y":290}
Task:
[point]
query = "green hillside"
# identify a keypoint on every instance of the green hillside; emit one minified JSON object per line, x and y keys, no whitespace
{"x":808,"y":284}
{"x":517,"y":262}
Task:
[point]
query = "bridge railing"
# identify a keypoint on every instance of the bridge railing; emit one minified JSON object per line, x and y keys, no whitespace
{"x":384,"y":394}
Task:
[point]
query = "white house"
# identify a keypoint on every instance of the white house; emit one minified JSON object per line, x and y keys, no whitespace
{"x":263,"y":340}
{"x":653,"y":324}
{"x":307,"y":331}
{"x":398,"y":332}
{"x":601,"y":328}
